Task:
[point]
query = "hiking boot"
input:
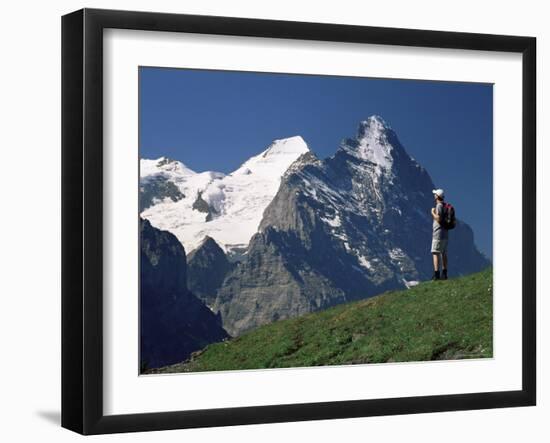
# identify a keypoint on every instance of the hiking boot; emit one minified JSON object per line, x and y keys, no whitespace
{"x":444,"y":276}
{"x":436,"y":275}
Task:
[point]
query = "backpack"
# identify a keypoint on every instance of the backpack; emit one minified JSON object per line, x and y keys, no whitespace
{"x":449,"y":217}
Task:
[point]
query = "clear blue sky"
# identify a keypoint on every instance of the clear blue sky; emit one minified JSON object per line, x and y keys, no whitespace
{"x":215,"y":120}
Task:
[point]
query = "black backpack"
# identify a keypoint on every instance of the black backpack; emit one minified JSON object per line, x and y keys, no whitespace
{"x":449,"y":217}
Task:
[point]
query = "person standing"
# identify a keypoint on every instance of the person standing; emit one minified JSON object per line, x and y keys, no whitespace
{"x":440,"y":236}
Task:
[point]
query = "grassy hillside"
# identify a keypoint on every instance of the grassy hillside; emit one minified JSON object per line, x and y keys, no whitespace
{"x":435,"y":320}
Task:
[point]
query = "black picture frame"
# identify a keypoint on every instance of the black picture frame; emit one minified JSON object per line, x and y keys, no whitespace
{"x":82,"y":218}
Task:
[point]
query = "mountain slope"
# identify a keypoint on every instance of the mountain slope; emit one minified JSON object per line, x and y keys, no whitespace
{"x":435,"y":320}
{"x":227,"y":208}
{"x":338,"y":230}
{"x":173,"y":322}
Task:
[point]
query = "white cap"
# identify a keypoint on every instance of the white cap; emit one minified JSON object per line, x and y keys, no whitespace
{"x":439,"y":192}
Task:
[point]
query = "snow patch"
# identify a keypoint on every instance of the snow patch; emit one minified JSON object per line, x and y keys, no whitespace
{"x":396,"y":254}
{"x":410,"y":283}
{"x":334,"y":222}
{"x":364,"y":262}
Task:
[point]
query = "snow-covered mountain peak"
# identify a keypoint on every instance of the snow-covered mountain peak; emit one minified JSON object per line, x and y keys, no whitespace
{"x":372,"y":143}
{"x":227,"y":208}
{"x":287,"y":146}
{"x":373,"y":124}
{"x":276,"y":158}
{"x":164,"y":165}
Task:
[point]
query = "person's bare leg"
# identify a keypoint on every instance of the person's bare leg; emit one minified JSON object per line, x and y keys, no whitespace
{"x":436,"y":260}
{"x":435,"y":256}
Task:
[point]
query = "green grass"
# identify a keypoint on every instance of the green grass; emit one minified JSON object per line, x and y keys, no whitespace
{"x":445,"y":320}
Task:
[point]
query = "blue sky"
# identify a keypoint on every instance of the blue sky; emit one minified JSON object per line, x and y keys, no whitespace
{"x":215,"y":120}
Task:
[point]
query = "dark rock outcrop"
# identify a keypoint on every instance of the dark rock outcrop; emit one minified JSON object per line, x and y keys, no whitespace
{"x":207,"y":267}
{"x":173,"y":322}
{"x":155,"y":189}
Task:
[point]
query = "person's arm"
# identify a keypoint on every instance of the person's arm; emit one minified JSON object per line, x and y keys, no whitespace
{"x":436,"y":216}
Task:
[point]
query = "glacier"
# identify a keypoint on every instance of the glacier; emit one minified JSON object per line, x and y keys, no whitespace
{"x":225,"y":207}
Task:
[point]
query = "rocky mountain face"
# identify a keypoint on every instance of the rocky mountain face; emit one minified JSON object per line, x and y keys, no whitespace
{"x":157,"y":189}
{"x":173,"y":322}
{"x":341,"y":229}
{"x":207,"y":267}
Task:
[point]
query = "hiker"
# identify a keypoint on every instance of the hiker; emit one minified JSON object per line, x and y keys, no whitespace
{"x":440,"y":233}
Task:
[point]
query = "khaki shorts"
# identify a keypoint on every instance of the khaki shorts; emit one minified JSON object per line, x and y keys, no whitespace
{"x":439,"y":246}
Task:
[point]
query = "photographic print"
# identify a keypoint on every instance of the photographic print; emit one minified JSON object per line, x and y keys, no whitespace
{"x":291,"y":220}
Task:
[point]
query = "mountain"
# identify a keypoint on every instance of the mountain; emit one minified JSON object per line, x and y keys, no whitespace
{"x":445,"y":320}
{"x":227,"y":208}
{"x":341,"y":229}
{"x":162,"y":180}
{"x":173,"y":322}
{"x":207,"y":267}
